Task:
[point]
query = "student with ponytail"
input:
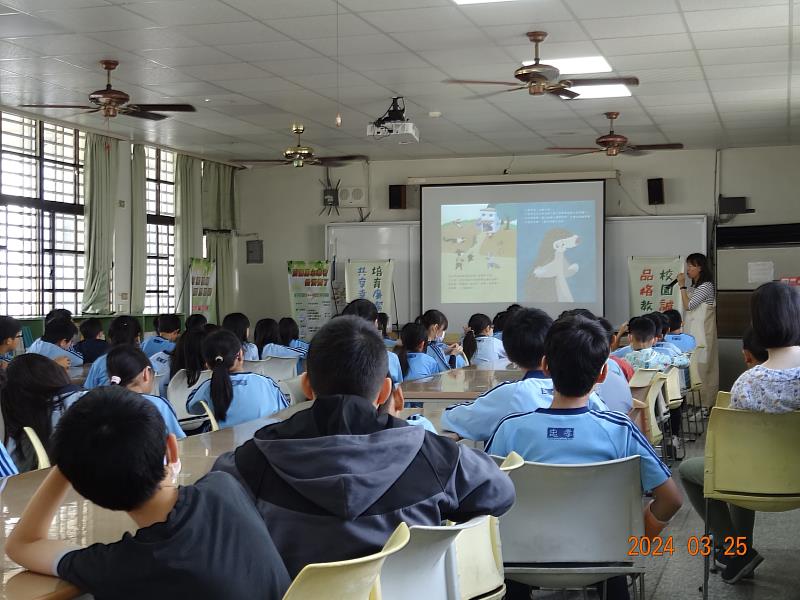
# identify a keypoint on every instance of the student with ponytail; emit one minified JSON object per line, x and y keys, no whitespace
{"x":448,"y":356}
{"x":129,"y":367}
{"x":411,"y":352}
{"x":267,"y":338}
{"x":239,"y":324}
{"x":123,"y":330}
{"x":480,"y":345}
{"x":233,"y":395}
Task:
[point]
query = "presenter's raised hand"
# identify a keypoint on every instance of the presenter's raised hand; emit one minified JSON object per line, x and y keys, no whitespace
{"x":681,"y":279}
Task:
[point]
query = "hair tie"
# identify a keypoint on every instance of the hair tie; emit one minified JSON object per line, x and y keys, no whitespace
{"x":218,"y":359}
{"x":115,"y":380}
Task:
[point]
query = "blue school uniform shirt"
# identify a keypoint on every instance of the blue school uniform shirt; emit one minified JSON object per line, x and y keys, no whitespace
{"x":478,"y":420}
{"x":420,"y":421}
{"x":670,"y":350}
{"x":7,"y":466}
{"x":250,"y":351}
{"x":683,"y":341}
{"x":52,"y":351}
{"x":167,"y":413}
{"x":254,"y":396}
{"x":615,"y":391}
{"x":498,"y":335}
{"x":622,"y":352}
{"x":576,"y":436}
{"x":162,"y":365}
{"x":421,"y":365}
{"x":389,"y":343}
{"x":395,"y":370}
{"x":278,"y":351}
{"x":157,"y":344}
{"x":300,"y":345}
{"x":98,"y":373}
{"x":490,"y":350}
{"x":438,"y":351}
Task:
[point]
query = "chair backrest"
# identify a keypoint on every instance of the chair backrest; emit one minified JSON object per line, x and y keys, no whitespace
{"x":672,"y":384}
{"x":424,"y":568}
{"x":157,"y":381}
{"x":41,"y":454}
{"x":346,"y":579}
{"x":292,"y":389}
{"x":573,"y":513}
{"x":753,"y":454}
{"x":178,"y":392}
{"x":654,"y":433}
{"x":274,"y":367}
{"x":510,"y":462}
{"x":479,"y":562}
{"x":643,"y":377}
{"x":210,"y":414}
{"x":723,"y":400}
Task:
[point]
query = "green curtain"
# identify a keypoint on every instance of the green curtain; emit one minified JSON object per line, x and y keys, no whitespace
{"x":219,"y":200}
{"x":220,"y":249}
{"x":100,"y":188}
{"x":188,"y":223}
{"x":138,"y":229}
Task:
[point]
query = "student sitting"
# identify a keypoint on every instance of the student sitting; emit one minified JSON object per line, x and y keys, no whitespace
{"x":7,"y":466}
{"x":624,"y":365}
{"x":10,"y":334}
{"x":662,"y":328}
{"x":233,"y":395}
{"x":414,"y":363}
{"x":361,"y":307}
{"x":642,"y":331}
{"x":56,"y":341}
{"x":576,"y":355}
{"x":188,"y":355}
{"x":480,"y":346}
{"x":203,"y":541}
{"x":195,"y":321}
{"x":124,"y":329}
{"x":168,"y":328}
{"x":683,"y":341}
{"x":448,"y":356}
{"x":239,"y":324}
{"x":267,"y":338}
{"x":128,"y":367}
{"x":360,"y":473}
{"x":498,"y":323}
{"x":290,"y":335}
{"x":752,"y":350}
{"x":93,"y":345}
{"x":383,"y":325}
{"x":523,"y":339}
{"x":37,"y":392}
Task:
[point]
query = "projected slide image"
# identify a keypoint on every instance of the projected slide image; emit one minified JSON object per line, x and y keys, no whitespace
{"x":478,"y":252}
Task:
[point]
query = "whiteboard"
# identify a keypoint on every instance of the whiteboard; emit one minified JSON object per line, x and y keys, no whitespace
{"x":398,"y":240}
{"x":645,"y":236}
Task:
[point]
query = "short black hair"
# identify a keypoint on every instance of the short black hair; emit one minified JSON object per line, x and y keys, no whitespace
{"x":110,"y":445}
{"x":9,"y":327}
{"x":583,"y":312}
{"x":238,"y":323}
{"x":195,"y":321}
{"x":58,"y":313}
{"x":347,"y":356}
{"x":642,"y":329}
{"x":524,"y":334}
{"x":124,"y":329}
{"x":91,"y":328}
{"x":576,"y":349}
{"x":168,"y":323}
{"x":289,"y":330}
{"x":361,"y":307}
{"x":675,"y":319}
{"x":606,"y":324}
{"x":751,"y":344}
{"x":775,"y":313}
{"x":58,"y":330}
{"x":499,"y":321}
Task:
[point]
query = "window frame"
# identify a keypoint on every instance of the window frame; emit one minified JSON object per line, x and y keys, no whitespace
{"x":159,"y":220}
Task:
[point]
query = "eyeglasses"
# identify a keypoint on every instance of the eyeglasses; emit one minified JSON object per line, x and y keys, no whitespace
{"x":18,"y":336}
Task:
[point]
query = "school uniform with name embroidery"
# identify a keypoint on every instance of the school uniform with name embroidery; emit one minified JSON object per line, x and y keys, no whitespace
{"x":683,"y":341}
{"x":254,"y":396}
{"x":157,"y":344}
{"x":53,"y":352}
{"x":162,"y":365}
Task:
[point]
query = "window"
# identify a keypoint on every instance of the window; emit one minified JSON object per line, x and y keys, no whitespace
{"x":41,"y":217}
{"x":159,"y":293}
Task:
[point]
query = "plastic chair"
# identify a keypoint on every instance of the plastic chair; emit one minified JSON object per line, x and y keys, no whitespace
{"x":571,"y":523}
{"x":211,"y":418}
{"x":274,"y":367}
{"x":723,"y":400}
{"x":293,"y":391}
{"x":425,"y":568}
{"x":479,"y":561}
{"x":38,"y":448}
{"x":751,"y":461}
{"x":157,"y":381}
{"x":178,"y":393}
{"x":346,"y":579}
{"x":510,"y":462}
{"x":654,"y":410}
{"x":693,"y":392}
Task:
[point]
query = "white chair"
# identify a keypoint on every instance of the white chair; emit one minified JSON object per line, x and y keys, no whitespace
{"x":424,"y":568}
{"x":157,"y":381}
{"x":274,"y":367}
{"x":178,"y":393}
{"x":570,"y":524}
{"x":43,"y":461}
{"x":293,"y":391}
{"x":479,"y":561}
{"x":210,"y":414}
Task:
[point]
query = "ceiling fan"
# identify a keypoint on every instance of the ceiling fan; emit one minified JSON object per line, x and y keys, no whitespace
{"x":613,"y":143}
{"x":539,"y":78}
{"x":300,"y":155}
{"x":115,"y":102}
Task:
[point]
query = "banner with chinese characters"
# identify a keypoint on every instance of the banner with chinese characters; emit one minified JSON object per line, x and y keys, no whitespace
{"x":650,"y":277}
{"x":309,"y":295}
{"x":370,"y":279}
{"x":203,"y":280}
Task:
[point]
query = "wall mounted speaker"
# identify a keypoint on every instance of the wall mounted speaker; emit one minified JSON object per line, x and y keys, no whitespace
{"x":655,"y":191}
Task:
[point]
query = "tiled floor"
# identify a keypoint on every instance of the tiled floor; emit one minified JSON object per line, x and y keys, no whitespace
{"x":679,"y":577}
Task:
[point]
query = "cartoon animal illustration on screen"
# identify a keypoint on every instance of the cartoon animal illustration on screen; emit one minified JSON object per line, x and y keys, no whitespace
{"x":547,"y":280}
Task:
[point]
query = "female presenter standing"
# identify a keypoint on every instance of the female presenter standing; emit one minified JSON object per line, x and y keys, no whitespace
{"x":699,"y":302}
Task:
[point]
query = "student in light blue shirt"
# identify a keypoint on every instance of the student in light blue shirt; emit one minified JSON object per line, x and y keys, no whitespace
{"x":267,"y":338}
{"x":162,"y":366}
{"x":415,"y":364}
{"x":130,"y":368}
{"x":10,"y":334}
{"x":124,"y":329}
{"x":643,"y":356}
{"x":361,"y":307}
{"x":448,"y":356}
{"x":289,"y":333}
{"x":480,"y":346}
{"x":383,"y":325}
{"x":239,"y":324}
{"x":7,"y":466}
{"x":168,"y":328}
{"x":231,"y":394}
{"x":683,"y":341}
{"x":56,"y":341}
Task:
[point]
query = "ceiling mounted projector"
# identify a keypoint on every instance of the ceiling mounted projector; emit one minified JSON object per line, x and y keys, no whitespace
{"x":394,"y":124}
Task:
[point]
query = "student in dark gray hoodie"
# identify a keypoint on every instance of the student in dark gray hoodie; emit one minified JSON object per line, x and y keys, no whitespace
{"x":333,"y":481}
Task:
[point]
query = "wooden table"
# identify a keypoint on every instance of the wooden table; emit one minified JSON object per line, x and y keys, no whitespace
{"x":81,"y":522}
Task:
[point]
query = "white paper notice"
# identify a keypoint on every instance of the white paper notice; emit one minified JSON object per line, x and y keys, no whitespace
{"x":760,"y":272}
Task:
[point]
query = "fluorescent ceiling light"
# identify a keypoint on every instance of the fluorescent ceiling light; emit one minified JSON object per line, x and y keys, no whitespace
{"x":577,"y":66}
{"x":587,"y":92}
{"x":479,"y":1}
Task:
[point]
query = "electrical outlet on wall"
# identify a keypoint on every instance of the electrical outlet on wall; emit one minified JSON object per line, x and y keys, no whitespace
{"x":353,"y":197}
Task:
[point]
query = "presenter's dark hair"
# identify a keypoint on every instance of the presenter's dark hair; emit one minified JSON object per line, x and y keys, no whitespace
{"x":238,"y":323}
{"x":110,"y":445}
{"x":696,"y":259}
{"x":126,"y":362}
{"x":576,"y":349}
{"x":347,"y":356}
{"x":477,"y":323}
{"x":289,"y":330}
{"x":361,"y":307}
{"x":642,"y":329}
{"x":9,"y":328}
{"x":775,"y":313}
{"x":266,"y":332}
{"x":220,"y":349}
{"x":124,"y":330}
{"x":411,"y":336}
{"x":91,"y":328}
{"x":752,"y":345}
{"x":168,"y":323}
{"x":58,"y":330}
{"x":675,"y":319}
{"x":524,"y":335}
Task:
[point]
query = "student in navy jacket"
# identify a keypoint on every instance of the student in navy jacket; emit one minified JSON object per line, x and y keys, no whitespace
{"x":333,"y":481}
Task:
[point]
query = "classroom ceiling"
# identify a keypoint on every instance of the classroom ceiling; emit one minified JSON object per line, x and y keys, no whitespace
{"x":714,"y":73}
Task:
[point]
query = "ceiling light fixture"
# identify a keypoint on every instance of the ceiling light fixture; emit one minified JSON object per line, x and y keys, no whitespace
{"x":577,"y":66}
{"x":589,"y":92}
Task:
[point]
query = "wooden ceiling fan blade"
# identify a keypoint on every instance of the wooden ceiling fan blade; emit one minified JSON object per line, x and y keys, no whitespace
{"x":263,"y":161}
{"x":55,"y":106}
{"x":603,"y":81}
{"x":331,"y":161}
{"x":565,"y":150}
{"x":655,"y":146}
{"x":142,"y":114}
{"x":490,"y":94}
{"x":163,"y":107}
{"x":480,"y":82}
{"x":584,"y":153}
{"x":564,"y":93}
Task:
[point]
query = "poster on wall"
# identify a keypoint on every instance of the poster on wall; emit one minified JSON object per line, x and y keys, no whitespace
{"x":203,"y":279}
{"x":370,"y":279}
{"x":651,"y":284}
{"x":309,"y":295}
